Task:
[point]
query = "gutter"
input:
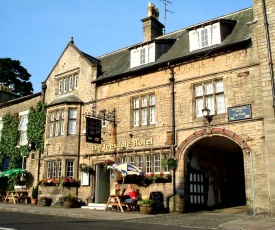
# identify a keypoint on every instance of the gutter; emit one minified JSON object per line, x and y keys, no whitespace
{"x":270,"y":61}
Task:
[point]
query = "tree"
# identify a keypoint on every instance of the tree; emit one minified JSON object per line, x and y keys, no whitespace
{"x":16,"y":76}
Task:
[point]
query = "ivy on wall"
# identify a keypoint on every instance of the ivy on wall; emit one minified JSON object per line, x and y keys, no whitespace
{"x":9,"y":139}
{"x":36,"y":126}
{"x":10,"y":135}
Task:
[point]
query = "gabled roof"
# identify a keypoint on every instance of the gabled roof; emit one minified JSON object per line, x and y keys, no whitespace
{"x":118,"y":63}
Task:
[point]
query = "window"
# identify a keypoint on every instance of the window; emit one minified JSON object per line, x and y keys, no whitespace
{"x":122,"y":159}
{"x":142,"y":55}
{"x":23,"y":128}
{"x":144,"y":110}
{"x":72,"y":121}
{"x":54,"y":169}
{"x":132,"y":161}
{"x":49,"y":169}
{"x":67,"y":83}
{"x":69,"y":168}
{"x":211,"y":95}
{"x":205,"y":36}
{"x":59,"y":169}
{"x":57,"y":123}
{"x":140,"y":162}
{"x":166,"y":169}
{"x":157,"y":163}
{"x":148,"y":164}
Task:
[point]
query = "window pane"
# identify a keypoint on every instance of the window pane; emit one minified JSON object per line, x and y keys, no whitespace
{"x":210,"y":104}
{"x":54,"y":170}
{"x":199,"y":107}
{"x":140,"y":163}
{"x":204,"y":37}
{"x":72,"y":127}
{"x":198,"y":90}
{"x":144,"y":116}
{"x":152,"y":100}
{"x":220,"y":103}
{"x":60,"y":86}
{"x":152,"y":115}
{"x":132,"y":160}
{"x":59,"y":169}
{"x":72,"y":114}
{"x":75,"y":81}
{"x":61,"y":127}
{"x":71,"y":83}
{"x":136,"y":118}
{"x":135,"y":103}
{"x":208,"y":88}
{"x":144,"y":101}
{"x":219,"y":86}
{"x":65,"y":85}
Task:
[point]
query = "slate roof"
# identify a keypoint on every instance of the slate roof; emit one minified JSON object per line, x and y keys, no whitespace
{"x":118,"y":63}
{"x":66,"y":99}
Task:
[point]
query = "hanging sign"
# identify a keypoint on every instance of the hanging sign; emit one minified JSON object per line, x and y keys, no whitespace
{"x":93,"y":130}
{"x":239,"y":113}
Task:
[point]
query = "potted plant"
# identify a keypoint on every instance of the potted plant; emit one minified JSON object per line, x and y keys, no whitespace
{"x":45,"y":201}
{"x":146,"y":206}
{"x":34,"y":194}
{"x":70,"y":201}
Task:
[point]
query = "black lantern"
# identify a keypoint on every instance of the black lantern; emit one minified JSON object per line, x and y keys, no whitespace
{"x":206,"y":114}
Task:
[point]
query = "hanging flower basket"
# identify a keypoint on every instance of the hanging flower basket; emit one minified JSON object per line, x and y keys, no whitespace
{"x":171,"y":162}
{"x":108,"y":163}
{"x":84,"y":168}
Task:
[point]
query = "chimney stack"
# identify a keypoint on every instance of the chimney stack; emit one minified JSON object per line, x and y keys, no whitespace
{"x":152,"y":28}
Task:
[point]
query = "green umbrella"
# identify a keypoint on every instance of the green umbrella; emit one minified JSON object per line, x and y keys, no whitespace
{"x":11,"y":172}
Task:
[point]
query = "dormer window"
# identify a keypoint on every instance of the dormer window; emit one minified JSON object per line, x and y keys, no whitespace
{"x":204,"y":37}
{"x":143,"y":55}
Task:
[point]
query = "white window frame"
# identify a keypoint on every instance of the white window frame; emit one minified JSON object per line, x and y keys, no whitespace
{"x":57,"y":122}
{"x":205,"y":36}
{"x":70,"y":83}
{"x":157,"y":164}
{"x":148,"y":168}
{"x":70,"y":168}
{"x":144,"y":110}
{"x":143,"y":55}
{"x":72,"y":121}
{"x":49,"y":169}
{"x":59,"y":172}
{"x":209,"y":94}
{"x":140,"y":162}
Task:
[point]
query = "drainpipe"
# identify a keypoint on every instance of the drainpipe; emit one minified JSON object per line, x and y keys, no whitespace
{"x":172,"y":81}
{"x":269,"y":51}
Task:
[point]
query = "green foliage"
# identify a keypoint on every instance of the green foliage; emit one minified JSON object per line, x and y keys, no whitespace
{"x":35,"y":192}
{"x":16,"y":75}
{"x":10,"y":135}
{"x":36,"y":126}
{"x":171,"y":162}
{"x":146,"y":202}
{"x":9,"y":138}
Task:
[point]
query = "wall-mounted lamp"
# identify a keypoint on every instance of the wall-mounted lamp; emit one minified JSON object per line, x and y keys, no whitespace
{"x":206,"y":114}
{"x":131,"y":135}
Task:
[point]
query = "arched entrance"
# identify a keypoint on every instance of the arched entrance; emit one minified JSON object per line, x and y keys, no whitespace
{"x":214,"y":170}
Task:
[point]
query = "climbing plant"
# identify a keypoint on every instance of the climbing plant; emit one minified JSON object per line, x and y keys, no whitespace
{"x":36,"y":126}
{"x":8,"y":142}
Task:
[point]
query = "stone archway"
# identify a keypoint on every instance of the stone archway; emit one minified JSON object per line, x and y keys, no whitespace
{"x":213,"y":169}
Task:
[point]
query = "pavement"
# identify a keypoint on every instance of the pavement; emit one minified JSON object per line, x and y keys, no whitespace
{"x":234,"y":218}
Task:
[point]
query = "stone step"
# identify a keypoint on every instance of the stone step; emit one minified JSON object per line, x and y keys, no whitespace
{"x":95,"y":206}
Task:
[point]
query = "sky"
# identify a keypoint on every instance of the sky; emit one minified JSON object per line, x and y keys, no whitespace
{"x":36,"y":32}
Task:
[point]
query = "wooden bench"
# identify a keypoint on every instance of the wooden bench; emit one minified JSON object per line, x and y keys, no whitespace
{"x":26,"y":199}
{"x":124,"y":204}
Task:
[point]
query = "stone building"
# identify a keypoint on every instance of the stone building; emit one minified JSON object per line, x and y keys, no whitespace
{"x":152,"y":99}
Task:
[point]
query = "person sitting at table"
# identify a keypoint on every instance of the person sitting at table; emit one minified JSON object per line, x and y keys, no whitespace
{"x":133,"y":197}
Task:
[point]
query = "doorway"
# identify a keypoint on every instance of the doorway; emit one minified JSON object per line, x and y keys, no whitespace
{"x":215,"y":174}
{"x":102,"y":184}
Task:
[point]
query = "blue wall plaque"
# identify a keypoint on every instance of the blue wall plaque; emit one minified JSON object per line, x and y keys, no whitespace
{"x":239,"y":113}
